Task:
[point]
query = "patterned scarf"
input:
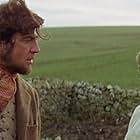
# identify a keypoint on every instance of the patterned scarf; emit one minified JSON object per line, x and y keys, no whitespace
{"x":7,"y":88}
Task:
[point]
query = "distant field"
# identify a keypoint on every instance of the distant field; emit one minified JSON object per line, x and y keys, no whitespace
{"x":94,"y":54}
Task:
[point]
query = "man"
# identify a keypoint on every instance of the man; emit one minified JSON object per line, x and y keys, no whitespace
{"x":19,"y":103}
{"x":133,"y":132}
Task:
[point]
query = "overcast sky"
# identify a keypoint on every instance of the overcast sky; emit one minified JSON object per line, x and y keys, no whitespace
{"x":87,"y":12}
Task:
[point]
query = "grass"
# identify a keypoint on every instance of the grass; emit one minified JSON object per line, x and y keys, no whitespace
{"x":94,"y":54}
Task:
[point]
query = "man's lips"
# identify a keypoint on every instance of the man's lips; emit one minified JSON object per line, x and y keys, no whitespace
{"x":30,"y":61}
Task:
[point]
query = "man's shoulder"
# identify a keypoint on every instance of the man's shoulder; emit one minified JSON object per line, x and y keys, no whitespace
{"x":25,"y":84}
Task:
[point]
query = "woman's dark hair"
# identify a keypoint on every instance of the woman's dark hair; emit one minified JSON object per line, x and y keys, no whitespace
{"x":15,"y":16}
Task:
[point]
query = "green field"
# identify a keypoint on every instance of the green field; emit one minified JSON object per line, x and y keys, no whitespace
{"x":95,"y":54}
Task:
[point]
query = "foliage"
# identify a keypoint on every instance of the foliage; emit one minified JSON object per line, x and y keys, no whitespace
{"x":49,"y":138}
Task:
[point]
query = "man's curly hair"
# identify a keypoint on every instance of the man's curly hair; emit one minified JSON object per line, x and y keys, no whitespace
{"x":15,"y":16}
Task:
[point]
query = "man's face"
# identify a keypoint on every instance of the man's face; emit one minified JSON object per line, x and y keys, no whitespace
{"x":21,"y":56}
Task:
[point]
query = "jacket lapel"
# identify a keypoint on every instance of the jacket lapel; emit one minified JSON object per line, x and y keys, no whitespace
{"x":23,"y":101}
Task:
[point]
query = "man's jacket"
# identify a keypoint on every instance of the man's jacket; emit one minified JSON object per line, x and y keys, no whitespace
{"x":27,"y":112}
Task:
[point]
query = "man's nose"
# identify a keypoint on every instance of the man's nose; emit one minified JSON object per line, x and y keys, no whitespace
{"x":35,"y":48}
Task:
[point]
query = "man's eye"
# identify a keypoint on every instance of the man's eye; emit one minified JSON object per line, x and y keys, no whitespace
{"x":29,"y":39}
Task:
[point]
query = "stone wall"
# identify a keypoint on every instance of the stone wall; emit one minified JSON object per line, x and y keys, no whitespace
{"x":66,"y":101}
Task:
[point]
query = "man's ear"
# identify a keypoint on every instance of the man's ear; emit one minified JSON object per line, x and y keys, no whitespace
{"x":2,"y":45}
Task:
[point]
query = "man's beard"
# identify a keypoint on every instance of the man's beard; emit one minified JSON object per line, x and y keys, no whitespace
{"x":14,"y":69}
{"x":11,"y":67}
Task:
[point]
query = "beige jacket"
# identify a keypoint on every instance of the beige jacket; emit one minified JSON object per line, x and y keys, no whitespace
{"x":27,"y":112}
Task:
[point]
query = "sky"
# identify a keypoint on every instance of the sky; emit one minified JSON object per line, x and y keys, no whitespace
{"x":61,"y":13}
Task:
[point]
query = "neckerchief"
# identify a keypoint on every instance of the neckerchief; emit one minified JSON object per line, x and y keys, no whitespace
{"x":7,"y":88}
